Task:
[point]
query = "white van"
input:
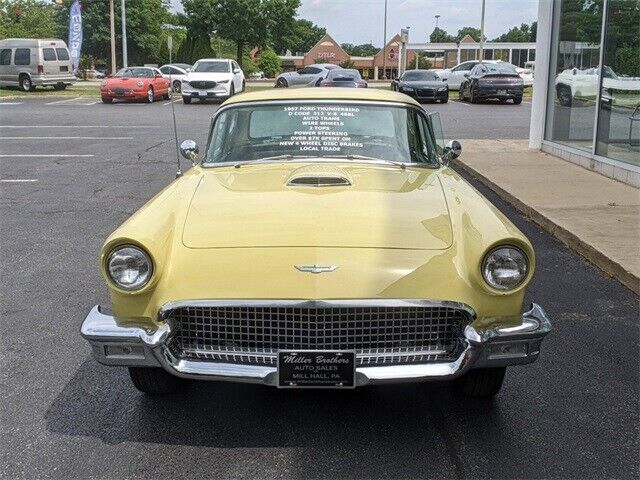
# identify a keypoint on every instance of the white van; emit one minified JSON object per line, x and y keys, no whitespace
{"x":31,"y":62}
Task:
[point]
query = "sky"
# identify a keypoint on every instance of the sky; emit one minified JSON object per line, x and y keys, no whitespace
{"x":361,"y":21}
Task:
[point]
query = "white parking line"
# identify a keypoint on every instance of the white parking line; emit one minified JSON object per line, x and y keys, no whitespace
{"x":18,"y":180}
{"x":42,"y":155}
{"x":11,"y":103}
{"x":66,"y":138}
{"x":170,"y":102}
{"x":88,"y":104}
{"x":79,"y":126}
{"x":60,"y":102}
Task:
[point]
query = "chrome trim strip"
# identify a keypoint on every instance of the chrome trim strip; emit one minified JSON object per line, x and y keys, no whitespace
{"x":330,"y":303}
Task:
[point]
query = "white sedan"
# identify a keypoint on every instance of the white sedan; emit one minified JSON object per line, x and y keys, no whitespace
{"x":175,"y":74}
{"x":213,"y":78}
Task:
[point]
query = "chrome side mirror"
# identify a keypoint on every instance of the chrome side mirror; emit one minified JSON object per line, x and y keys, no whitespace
{"x":452,"y":150}
{"x":189,"y":150}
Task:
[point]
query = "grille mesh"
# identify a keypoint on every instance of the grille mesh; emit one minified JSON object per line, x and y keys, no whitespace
{"x":379,"y":335}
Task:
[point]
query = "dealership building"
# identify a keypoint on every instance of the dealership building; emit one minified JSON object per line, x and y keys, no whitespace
{"x":586,"y":102}
{"x":386,"y":62}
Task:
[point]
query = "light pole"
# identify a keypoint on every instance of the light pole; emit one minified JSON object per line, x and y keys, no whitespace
{"x":384,"y":44}
{"x":124,"y":34}
{"x":112,"y":26}
{"x":437,"y":18}
{"x":482,"y":33}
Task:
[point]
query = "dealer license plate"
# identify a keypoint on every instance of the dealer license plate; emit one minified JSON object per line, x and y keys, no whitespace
{"x":502,"y":92}
{"x":316,"y":369}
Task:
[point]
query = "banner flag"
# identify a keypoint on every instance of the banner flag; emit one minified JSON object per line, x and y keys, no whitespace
{"x":75,"y":33}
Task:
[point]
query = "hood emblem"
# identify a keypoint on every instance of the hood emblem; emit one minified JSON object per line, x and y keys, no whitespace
{"x":316,"y":268}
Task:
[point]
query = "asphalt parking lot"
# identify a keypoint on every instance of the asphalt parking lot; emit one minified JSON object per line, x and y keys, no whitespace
{"x":72,"y":171}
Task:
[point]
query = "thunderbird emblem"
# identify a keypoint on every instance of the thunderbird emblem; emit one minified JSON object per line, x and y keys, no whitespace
{"x":316,"y":268}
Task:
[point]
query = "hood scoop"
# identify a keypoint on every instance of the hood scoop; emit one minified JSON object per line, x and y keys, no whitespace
{"x":319,"y":176}
{"x":319,"y":181}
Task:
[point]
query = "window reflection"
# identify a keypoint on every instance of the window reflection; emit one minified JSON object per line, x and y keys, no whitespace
{"x":619,"y":116}
{"x":574,"y":72}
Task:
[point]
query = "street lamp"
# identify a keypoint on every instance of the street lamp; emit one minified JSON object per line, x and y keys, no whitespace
{"x":437,"y":17}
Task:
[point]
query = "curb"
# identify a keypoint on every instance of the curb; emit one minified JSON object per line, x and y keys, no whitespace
{"x":594,"y":256}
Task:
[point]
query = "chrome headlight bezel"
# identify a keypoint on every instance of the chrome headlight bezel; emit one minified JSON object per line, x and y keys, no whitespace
{"x":143,"y":259}
{"x":492,"y":261}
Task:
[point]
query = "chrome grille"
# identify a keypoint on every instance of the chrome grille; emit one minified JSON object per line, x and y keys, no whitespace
{"x":378,"y":334}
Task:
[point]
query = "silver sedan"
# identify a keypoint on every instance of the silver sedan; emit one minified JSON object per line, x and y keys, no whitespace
{"x":309,"y":76}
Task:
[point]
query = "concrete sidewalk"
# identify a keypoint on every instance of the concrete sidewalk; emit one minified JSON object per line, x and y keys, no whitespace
{"x":594,"y":215}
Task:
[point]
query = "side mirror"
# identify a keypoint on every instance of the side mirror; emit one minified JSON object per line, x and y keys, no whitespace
{"x":158,"y":75}
{"x":189,"y":150}
{"x":236,"y":70}
{"x":452,"y":150}
{"x":466,"y":75}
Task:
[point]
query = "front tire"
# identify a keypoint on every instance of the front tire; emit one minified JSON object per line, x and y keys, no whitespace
{"x":177,"y":85}
{"x":281,"y":83}
{"x":232,"y":91}
{"x":25,"y":83}
{"x":169,"y":94}
{"x":186,"y":100}
{"x":107,"y":100}
{"x":444,"y":100}
{"x":480,"y":382}
{"x":150,"y":96}
{"x":155,"y":381}
{"x":473,"y":98}
{"x":517,"y":101}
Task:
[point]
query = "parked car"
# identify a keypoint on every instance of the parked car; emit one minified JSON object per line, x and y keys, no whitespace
{"x":578,"y":83}
{"x":257,"y":75}
{"x":297,"y":257}
{"x":423,"y":85}
{"x":344,"y":77}
{"x":90,"y":74}
{"x":184,"y":66}
{"x":492,"y":80}
{"x":135,"y":83}
{"x":455,"y":76}
{"x":213,"y":78}
{"x":28,"y":63}
{"x":175,"y":75}
{"x":310,"y":76}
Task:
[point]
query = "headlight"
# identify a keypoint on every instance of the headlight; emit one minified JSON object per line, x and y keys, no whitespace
{"x":442,"y":89}
{"x":129,"y":267}
{"x":140,"y":83}
{"x":223,"y":81}
{"x":406,"y":89}
{"x":505,"y":268}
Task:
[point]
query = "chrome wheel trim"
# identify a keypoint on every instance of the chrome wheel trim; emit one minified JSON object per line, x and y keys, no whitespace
{"x":150,"y":95}
{"x":26,"y":84}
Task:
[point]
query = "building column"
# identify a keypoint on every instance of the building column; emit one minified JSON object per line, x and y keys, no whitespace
{"x":541,"y":78}
{"x":375,"y":73}
{"x":458,"y":55}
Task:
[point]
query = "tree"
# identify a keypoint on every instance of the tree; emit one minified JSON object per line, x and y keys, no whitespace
{"x":27,"y":18}
{"x":362,"y":50}
{"x":246,"y":22}
{"x":270,"y":63}
{"x":193,"y":48}
{"x":301,"y":36}
{"x":471,"y":31}
{"x":440,"y":36}
{"x":348,"y":63}
{"x":424,"y":63}
{"x":145,"y":19}
{"x":516,"y":34}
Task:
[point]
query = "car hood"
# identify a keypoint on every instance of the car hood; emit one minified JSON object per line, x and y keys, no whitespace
{"x":210,"y":76}
{"x":259,"y":206}
{"x":424,"y":84}
{"x":126,"y":81}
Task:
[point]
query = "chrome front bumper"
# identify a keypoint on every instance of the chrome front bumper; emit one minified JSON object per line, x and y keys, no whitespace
{"x":136,"y":347}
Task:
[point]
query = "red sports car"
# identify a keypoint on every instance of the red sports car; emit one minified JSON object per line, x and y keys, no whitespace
{"x":136,"y":83}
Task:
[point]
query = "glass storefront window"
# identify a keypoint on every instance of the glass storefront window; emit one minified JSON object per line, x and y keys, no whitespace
{"x":574,"y":72}
{"x":618,"y":135}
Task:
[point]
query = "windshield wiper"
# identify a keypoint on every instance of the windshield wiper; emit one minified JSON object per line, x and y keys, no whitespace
{"x":286,"y":156}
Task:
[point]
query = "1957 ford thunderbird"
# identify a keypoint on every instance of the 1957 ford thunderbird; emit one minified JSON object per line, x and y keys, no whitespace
{"x":320,"y":241}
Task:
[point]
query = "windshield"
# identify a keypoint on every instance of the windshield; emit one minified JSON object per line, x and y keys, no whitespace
{"x":321,"y":130}
{"x":135,"y":72}
{"x":340,"y":74}
{"x":501,"y":68}
{"x":211,"y":67}
{"x":420,"y":76}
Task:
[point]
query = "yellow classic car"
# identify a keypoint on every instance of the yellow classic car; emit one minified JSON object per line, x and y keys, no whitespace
{"x":321,"y":241}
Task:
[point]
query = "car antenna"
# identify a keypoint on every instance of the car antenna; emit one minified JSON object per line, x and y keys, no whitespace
{"x":173,"y":109}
